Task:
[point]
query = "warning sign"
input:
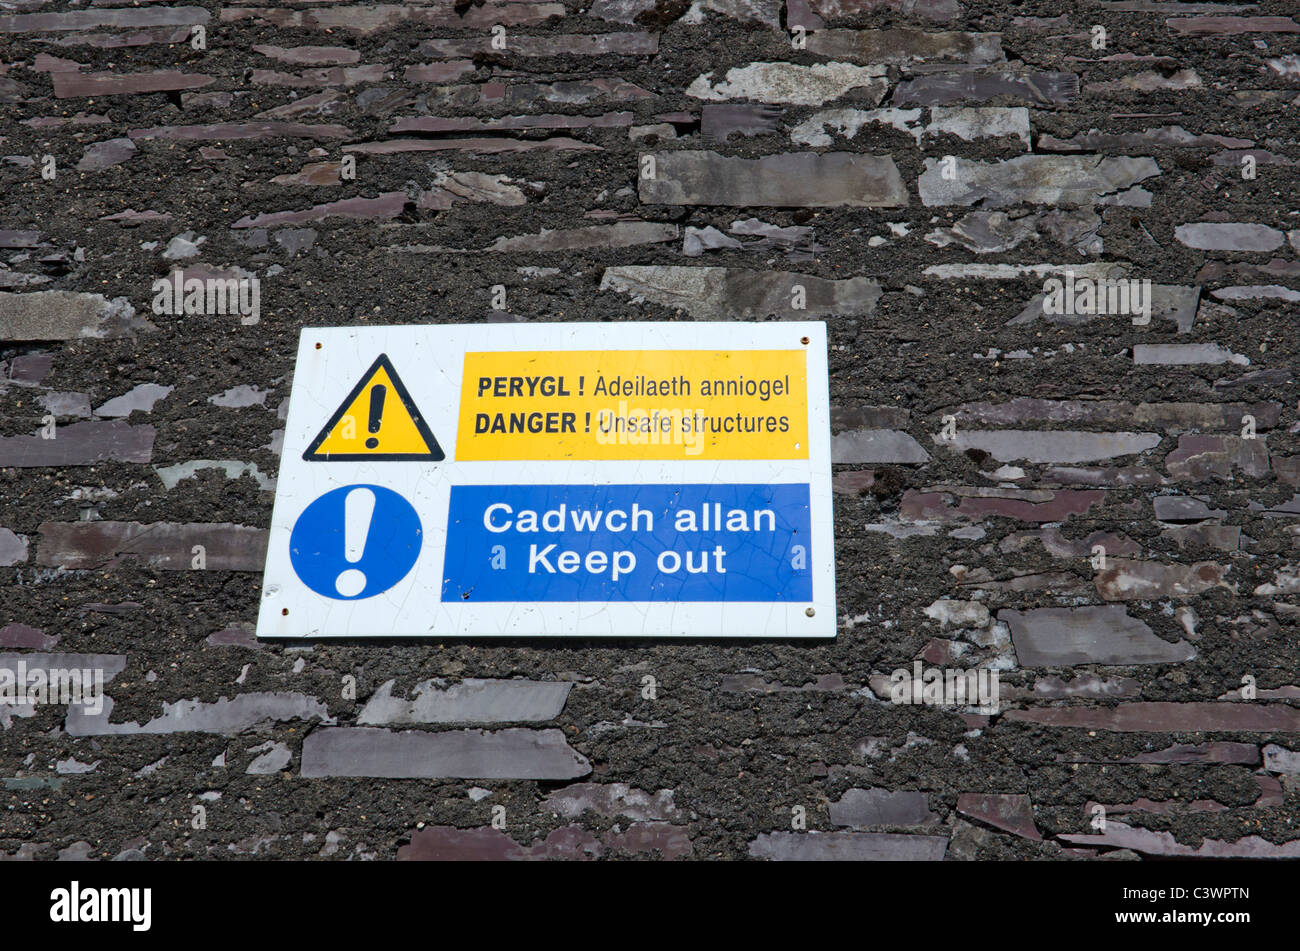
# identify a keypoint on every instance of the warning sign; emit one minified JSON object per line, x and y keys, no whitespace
{"x":634,"y":404}
{"x":376,"y":421}
{"x":591,"y":480}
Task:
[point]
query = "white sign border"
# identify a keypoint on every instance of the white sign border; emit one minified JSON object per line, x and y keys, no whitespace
{"x":430,"y":359}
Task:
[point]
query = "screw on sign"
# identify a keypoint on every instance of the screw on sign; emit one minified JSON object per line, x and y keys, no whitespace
{"x":355,"y":542}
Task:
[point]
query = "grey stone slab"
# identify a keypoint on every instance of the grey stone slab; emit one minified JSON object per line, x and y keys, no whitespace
{"x":76,"y":405}
{"x":1279,"y":759}
{"x":716,"y":293}
{"x":1011,"y":445}
{"x":1032,"y":179}
{"x":140,"y":398}
{"x":790,"y":180}
{"x":876,"y":446}
{"x":1129,"y":580}
{"x":793,"y":84}
{"x":229,"y":716}
{"x":470,"y":701}
{"x":459,"y":754}
{"x":109,"y":665}
{"x":1174,"y":302}
{"x":612,"y":800}
{"x":938,"y":89}
{"x":79,"y":444}
{"x":1105,"y":634}
{"x":66,"y":315}
{"x":1185,"y":354}
{"x":272,"y":759}
{"x":848,"y":846}
{"x":904,"y":46}
{"x":1183,"y":508}
{"x":1229,"y":236}
{"x":13,"y":548}
{"x":720,"y":120}
{"x":106,"y":154}
{"x":163,"y":545}
{"x":1150,"y":842}
{"x":860,"y":808}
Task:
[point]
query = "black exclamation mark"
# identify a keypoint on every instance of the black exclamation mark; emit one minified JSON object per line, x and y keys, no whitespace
{"x":580,"y":379}
{"x":588,"y":422}
{"x":377,"y":394}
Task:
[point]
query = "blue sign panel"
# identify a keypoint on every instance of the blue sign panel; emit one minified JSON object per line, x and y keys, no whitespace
{"x":628,"y":543}
{"x":355,"y":542}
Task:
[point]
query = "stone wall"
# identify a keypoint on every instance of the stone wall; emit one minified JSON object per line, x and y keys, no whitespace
{"x":923,"y":168}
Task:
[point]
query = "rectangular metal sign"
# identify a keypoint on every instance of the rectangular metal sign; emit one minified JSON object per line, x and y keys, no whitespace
{"x":562,"y":480}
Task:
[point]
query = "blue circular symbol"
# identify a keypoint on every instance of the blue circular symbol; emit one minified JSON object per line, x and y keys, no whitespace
{"x":355,"y":542}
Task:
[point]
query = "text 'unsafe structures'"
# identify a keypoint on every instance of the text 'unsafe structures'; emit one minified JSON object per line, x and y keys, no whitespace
{"x":559,"y":480}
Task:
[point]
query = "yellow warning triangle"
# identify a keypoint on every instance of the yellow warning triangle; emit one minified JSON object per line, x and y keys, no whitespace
{"x":377,"y":421}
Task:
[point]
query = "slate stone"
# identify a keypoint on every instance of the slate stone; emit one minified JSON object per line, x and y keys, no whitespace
{"x":905,"y":46}
{"x":1010,"y":445}
{"x":718,"y":121}
{"x":1065,"y":637}
{"x":108,"y":665}
{"x":66,"y":315}
{"x":459,"y":754}
{"x":13,"y":548}
{"x":139,"y":398}
{"x":1127,"y":580}
{"x":847,"y":846}
{"x":470,"y":701}
{"x":622,"y":234}
{"x":973,"y":123}
{"x":1150,"y":842}
{"x":860,"y":808}
{"x":1169,"y":717}
{"x":793,"y":84}
{"x":716,"y":293}
{"x":387,"y":205}
{"x":1033,"y":179}
{"x":70,"y":85}
{"x":939,"y":89}
{"x":876,"y":446}
{"x":1173,"y":302}
{"x":1201,"y":458}
{"x":20,"y":635}
{"x":1185,"y":354}
{"x":1279,"y":759}
{"x":613,"y":800}
{"x":93,"y":19}
{"x":243,"y":712}
{"x":1181,"y":508}
{"x":927,"y":9}
{"x":1012,"y":813}
{"x":106,"y":154}
{"x":234,"y":131}
{"x":1030,"y":506}
{"x":1229,"y":25}
{"x":369,"y":19}
{"x":310,"y":55}
{"x":1172,"y":136}
{"x":1257,"y":292}
{"x":160,"y":545}
{"x":274,"y":758}
{"x":1215,"y":236}
{"x":791,"y":180}
{"x":79,"y":444}
{"x":570,"y":44}
{"x":1168,"y":416}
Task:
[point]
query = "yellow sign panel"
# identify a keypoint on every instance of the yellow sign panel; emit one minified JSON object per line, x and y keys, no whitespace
{"x":377,"y":421}
{"x":634,"y":404}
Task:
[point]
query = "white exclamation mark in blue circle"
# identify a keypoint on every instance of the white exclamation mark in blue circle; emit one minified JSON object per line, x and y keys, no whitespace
{"x":358,"y":508}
